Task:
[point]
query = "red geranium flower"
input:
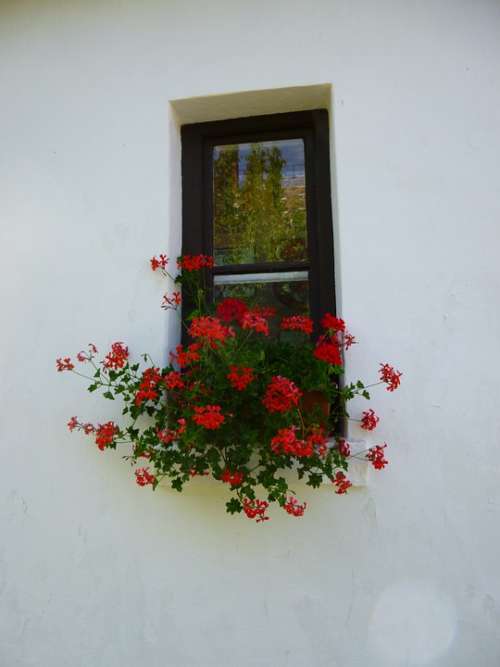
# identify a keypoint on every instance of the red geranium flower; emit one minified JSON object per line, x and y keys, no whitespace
{"x":297,"y":323}
{"x":231,"y":309}
{"x":186,"y":357}
{"x":105,"y":434}
{"x":73,"y":423}
{"x":344,"y":447}
{"x":210,"y":330}
{"x":252,"y":320}
{"x":281,"y":394}
{"x":376,"y":456}
{"x":293,"y":507}
{"x":256,"y":509}
{"x":329,"y":352}
{"x":169,"y":435}
{"x":332,"y":323}
{"x":147,"y":389}
{"x":286,"y":442}
{"x":173,"y":301}
{"x":369,"y":420}
{"x":195,"y":262}
{"x":64,"y":364}
{"x":264,"y":311}
{"x":240,"y":377}
{"x":208,"y":416}
{"x":390,"y":376}
{"x":118,"y":356}
{"x":317,"y":440}
{"x":87,"y":356}
{"x":232,"y":477}
{"x":341,"y":482}
{"x":173,"y":380}
{"x":159,"y":262}
{"x":348,"y":340}
{"x":143,"y":477}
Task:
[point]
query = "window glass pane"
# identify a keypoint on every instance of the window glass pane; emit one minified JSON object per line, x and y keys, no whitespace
{"x":288,"y":298}
{"x":259,"y":202}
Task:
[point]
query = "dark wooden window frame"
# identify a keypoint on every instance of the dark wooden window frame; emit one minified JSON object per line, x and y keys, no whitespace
{"x":198,"y":141}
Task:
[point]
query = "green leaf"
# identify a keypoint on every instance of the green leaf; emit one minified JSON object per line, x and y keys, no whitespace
{"x":92,"y":387}
{"x":108,"y":394}
{"x":315,"y":480}
{"x":233,"y":506}
{"x":177,"y":484}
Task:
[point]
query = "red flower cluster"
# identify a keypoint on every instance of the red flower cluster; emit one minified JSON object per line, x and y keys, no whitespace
{"x":159,"y":262}
{"x":293,"y":507}
{"x":341,"y":483}
{"x":348,"y":340}
{"x":256,"y":509}
{"x":329,"y":352}
{"x":169,"y":435}
{"x":210,"y":330}
{"x":286,"y":442}
{"x":64,"y":364}
{"x":194,"y":473}
{"x":240,"y":377}
{"x":281,"y":394}
{"x":264,"y":311}
{"x":229,"y":310}
{"x":75,"y":424}
{"x":147,"y":389}
{"x":234,"y":478}
{"x":143,"y":477}
{"x":369,"y":420}
{"x":337,"y":331}
{"x":390,"y":376}
{"x":105,"y":434}
{"x":173,"y":380}
{"x":166,"y":436}
{"x":318,"y":440}
{"x":297,"y":323}
{"x":258,"y":323}
{"x":376,"y":456}
{"x":344,"y":447}
{"x":208,"y":416}
{"x":172,"y":301}
{"x":87,"y":356}
{"x":195,"y":262}
{"x":332,"y":323}
{"x":118,"y":356}
{"x":186,"y":357}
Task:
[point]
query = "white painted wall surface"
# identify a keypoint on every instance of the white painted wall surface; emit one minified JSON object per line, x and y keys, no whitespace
{"x":96,"y":572}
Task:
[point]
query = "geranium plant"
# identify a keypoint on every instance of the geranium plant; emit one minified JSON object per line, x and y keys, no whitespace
{"x":246,"y":398}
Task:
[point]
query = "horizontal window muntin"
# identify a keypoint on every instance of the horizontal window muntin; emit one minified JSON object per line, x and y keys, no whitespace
{"x":261,"y":267}
{"x":275,"y":277}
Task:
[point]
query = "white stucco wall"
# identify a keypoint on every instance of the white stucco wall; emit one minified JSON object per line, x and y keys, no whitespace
{"x":96,"y":572}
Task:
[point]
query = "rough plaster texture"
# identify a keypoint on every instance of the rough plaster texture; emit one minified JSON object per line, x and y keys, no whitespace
{"x":96,"y":572}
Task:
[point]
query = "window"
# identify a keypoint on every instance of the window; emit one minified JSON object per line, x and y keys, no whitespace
{"x":256,"y":195}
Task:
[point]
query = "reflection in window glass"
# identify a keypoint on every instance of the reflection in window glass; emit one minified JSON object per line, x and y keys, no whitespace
{"x":259,"y":202}
{"x":288,"y":298}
